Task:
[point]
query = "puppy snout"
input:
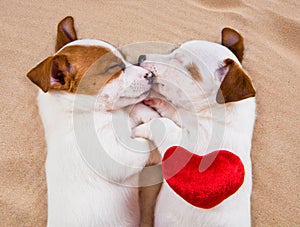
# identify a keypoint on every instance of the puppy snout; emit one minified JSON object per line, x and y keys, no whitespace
{"x":150,"y":77}
{"x":141,"y":59}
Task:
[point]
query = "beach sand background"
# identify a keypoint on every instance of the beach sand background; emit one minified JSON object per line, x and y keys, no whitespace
{"x":271,"y":32}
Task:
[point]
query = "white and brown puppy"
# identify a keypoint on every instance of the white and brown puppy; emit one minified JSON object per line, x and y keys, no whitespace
{"x":86,"y":88}
{"x":215,"y":109}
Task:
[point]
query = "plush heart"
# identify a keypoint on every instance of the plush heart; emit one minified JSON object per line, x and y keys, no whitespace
{"x":203,"y":181}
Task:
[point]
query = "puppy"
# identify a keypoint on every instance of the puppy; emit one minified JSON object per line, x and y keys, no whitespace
{"x":215,"y":106}
{"x":87,"y":90}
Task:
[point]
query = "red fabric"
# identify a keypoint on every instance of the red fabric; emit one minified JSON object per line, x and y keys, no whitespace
{"x":203,"y":181}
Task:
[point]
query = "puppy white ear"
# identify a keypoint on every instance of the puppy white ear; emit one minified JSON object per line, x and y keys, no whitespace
{"x":234,"y":42}
{"x":236,"y":85}
{"x":66,"y":32}
{"x":50,"y":73}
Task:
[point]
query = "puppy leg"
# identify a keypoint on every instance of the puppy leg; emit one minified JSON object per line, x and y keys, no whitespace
{"x":150,"y":178}
{"x":150,"y":181}
{"x":152,"y":175}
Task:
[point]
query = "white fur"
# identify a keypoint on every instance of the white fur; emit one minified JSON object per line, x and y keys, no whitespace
{"x":91,"y":175}
{"x":205,"y":126}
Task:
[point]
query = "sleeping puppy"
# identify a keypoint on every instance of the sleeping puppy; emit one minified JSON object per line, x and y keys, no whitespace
{"x":209,"y":105}
{"x":87,"y":92}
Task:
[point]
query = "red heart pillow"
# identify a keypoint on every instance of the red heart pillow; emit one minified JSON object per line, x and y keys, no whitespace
{"x":203,"y":181}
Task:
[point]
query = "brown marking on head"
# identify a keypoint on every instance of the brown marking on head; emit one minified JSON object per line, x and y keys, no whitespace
{"x":105,"y":69}
{"x":233,"y":41}
{"x":236,"y":85}
{"x":65,"y":70}
{"x":194,"y":72}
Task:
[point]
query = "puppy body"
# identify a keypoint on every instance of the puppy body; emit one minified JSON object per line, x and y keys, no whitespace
{"x":191,"y":78}
{"x":171,"y":210}
{"x":86,"y":106}
{"x":78,"y":195}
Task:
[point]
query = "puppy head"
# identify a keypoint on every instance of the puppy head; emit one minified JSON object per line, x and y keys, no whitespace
{"x":199,"y":70}
{"x":90,"y":67}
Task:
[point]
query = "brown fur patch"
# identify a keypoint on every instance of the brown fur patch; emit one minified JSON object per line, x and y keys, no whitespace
{"x":40,"y":75}
{"x":104,"y":66}
{"x":195,"y":72}
{"x":70,"y":70}
{"x":233,"y":41}
{"x":236,"y":85}
{"x":65,"y":32}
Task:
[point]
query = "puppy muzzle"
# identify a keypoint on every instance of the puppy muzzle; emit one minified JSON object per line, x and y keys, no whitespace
{"x":150,"y":77}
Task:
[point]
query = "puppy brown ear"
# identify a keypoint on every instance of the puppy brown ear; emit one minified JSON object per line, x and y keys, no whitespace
{"x":236,"y":85}
{"x":234,"y":42}
{"x":40,"y":75}
{"x":51,"y":73}
{"x":66,"y":32}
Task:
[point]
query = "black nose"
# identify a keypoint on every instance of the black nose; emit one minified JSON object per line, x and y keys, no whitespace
{"x":150,"y":77}
{"x":141,"y":59}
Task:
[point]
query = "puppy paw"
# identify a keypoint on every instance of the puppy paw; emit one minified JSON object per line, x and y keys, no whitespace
{"x":142,"y":114}
{"x":142,"y":131}
{"x":163,"y":132}
{"x":163,"y":107}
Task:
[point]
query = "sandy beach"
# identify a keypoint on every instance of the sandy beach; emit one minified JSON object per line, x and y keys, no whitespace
{"x":271,"y":32}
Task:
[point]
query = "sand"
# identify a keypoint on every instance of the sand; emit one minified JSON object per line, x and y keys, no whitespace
{"x":271,"y":34}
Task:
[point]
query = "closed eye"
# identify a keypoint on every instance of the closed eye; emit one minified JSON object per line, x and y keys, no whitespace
{"x":118,"y":65}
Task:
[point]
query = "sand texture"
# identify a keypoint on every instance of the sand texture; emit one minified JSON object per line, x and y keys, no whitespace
{"x":271,"y":32}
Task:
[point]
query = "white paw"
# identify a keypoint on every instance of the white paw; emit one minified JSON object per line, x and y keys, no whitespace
{"x":142,"y":131}
{"x":141,"y":113}
{"x":163,"y":132}
{"x":163,"y":107}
